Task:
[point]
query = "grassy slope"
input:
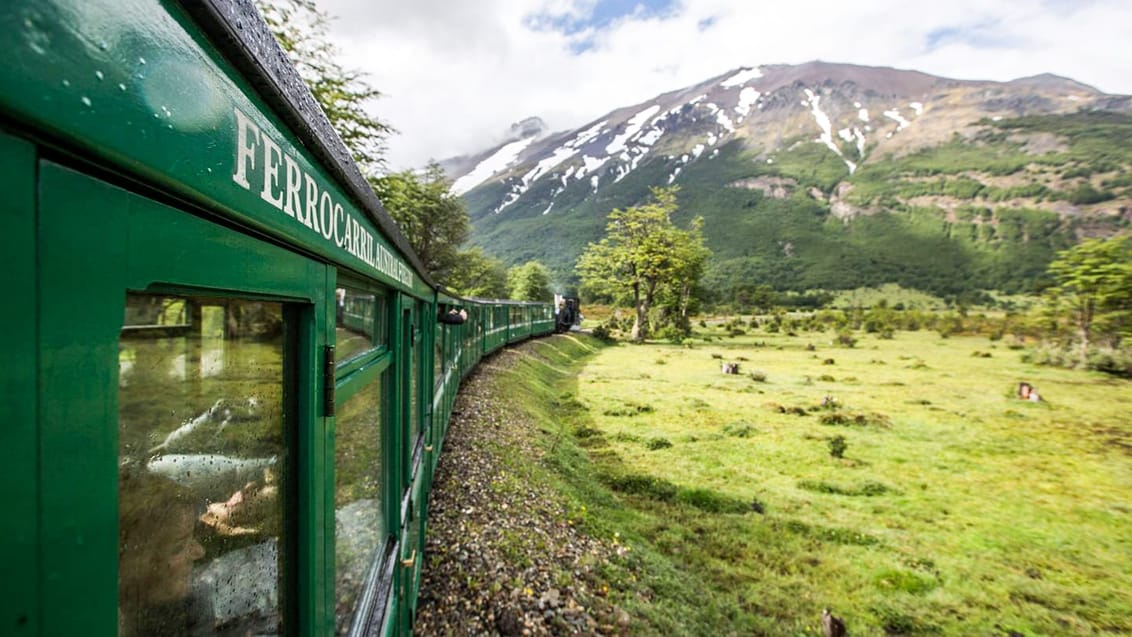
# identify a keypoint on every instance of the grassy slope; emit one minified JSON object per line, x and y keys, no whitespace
{"x":987,"y":514}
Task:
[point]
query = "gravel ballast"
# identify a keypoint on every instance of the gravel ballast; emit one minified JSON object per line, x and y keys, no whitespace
{"x":502,"y":555}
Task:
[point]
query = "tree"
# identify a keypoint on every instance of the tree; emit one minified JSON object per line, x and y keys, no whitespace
{"x":1094,"y":278}
{"x":689,"y":260}
{"x":433,"y":220}
{"x":642,"y":253}
{"x":529,"y":282}
{"x":478,"y":275}
{"x":302,"y":31}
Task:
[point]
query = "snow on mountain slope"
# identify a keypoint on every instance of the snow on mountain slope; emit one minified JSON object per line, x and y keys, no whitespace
{"x":768,"y":109}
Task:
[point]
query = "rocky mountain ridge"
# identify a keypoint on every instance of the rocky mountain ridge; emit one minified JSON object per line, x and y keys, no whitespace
{"x":852,"y":140}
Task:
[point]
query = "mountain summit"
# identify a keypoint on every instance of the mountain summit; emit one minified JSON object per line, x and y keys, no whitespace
{"x":849,"y":141}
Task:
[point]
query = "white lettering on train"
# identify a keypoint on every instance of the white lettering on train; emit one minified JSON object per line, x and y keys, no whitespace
{"x":299,"y":196}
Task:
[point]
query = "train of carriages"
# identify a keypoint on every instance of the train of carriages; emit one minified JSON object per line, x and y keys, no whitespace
{"x":227,"y":378}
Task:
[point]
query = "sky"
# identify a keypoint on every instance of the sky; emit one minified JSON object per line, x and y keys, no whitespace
{"x":457,"y":73}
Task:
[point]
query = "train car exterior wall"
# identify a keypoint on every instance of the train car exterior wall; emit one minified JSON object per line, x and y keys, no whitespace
{"x":229,"y":389}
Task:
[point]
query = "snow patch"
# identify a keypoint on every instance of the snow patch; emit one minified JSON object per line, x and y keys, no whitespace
{"x":590,"y":164}
{"x":845,"y":134}
{"x":672,"y":177}
{"x":714,"y":154}
{"x":863,"y":114}
{"x":918,"y":107}
{"x":585,"y":136}
{"x":559,"y":155}
{"x":498,"y":162}
{"x":723,"y":120}
{"x":742,"y":77}
{"x":826,"y":137}
{"x":632,"y":128}
{"x":747,"y":97}
{"x":649,"y":138}
{"x":895,"y":116}
{"x":594,"y":181}
{"x":698,"y":150}
{"x":712,"y":138}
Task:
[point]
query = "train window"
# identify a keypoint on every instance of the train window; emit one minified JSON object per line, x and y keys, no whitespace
{"x":202,"y":463}
{"x":360,"y":529}
{"x":359,"y":322}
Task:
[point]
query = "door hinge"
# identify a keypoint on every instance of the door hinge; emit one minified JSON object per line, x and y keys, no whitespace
{"x":328,"y":381}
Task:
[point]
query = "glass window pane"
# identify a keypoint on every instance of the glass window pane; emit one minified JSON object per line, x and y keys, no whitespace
{"x":202,"y":461}
{"x":359,"y":526}
{"x":355,"y":322}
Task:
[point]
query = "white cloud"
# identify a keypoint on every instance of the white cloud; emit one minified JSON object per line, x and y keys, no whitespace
{"x":457,"y":74}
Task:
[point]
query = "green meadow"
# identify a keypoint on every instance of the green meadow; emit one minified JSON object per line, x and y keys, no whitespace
{"x":899,"y":482}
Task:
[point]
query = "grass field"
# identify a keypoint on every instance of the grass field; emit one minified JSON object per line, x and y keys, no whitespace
{"x":954,"y":509}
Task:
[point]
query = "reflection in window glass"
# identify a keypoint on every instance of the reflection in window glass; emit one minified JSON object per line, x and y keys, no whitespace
{"x":201,"y":458}
{"x":359,"y":526}
{"x":357,"y":322}
{"x":438,"y":352}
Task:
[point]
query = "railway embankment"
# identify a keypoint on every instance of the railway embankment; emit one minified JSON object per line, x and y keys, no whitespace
{"x":506,"y":552}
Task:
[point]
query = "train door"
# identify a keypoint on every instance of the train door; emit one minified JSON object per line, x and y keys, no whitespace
{"x":413,"y":358}
{"x":364,"y":544}
{"x":180,"y":420}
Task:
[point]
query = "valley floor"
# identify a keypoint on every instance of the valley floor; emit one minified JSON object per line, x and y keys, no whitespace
{"x":901,"y":482}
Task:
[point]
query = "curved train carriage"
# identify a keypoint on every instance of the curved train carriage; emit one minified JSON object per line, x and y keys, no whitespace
{"x":224,"y":413}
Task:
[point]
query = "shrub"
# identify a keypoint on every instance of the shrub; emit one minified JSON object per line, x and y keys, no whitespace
{"x":602,"y":333}
{"x":837,"y":445}
{"x":859,"y":419}
{"x":868,"y":489}
{"x":712,"y":502}
{"x":655,"y":444}
{"x":738,"y":429}
{"x":758,"y":376}
{"x":1117,"y":362}
{"x":628,"y":409}
{"x":845,"y":338}
{"x":672,"y":334}
{"x":639,"y":484}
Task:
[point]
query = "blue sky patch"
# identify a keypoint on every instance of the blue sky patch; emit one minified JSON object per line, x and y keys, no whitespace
{"x":603,"y":14}
{"x":985,"y":35}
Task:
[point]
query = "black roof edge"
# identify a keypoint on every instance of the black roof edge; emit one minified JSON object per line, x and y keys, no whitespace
{"x":239,"y":32}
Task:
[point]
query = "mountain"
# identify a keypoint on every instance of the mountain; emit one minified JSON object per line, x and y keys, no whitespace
{"x":824,"y":175}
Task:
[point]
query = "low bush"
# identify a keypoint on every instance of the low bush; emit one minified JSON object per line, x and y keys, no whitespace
{"x":712,"y":502}
{"x":838,"y":446}
{"x":628,"y":409}
{"x":739,"y":429}
{"x":602,"y":333}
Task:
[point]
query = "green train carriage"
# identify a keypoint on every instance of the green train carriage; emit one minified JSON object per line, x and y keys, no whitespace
{"x":219,"y":409}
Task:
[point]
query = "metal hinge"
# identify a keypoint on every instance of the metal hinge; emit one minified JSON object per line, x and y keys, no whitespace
{"x":328,"y":381}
